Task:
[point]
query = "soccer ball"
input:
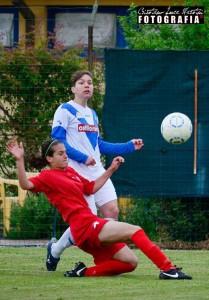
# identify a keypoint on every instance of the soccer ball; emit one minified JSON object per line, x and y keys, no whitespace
{"x":176,"y":128}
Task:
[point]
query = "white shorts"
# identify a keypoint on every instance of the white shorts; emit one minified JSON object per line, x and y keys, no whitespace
{"x":91,"y":203}
{"x":106,"y":194}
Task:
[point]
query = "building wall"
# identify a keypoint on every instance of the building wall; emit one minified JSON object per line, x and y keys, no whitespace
{"x":39,"y":8}
{"x":90,"y":2}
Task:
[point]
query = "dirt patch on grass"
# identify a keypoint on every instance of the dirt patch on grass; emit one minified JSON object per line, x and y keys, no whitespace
{"x":185,"y":245}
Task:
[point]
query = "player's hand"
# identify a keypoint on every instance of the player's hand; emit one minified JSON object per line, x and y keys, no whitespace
{"x":117,"y":161}
{"x":90,"y":161}
{"x":15,"y":149}
{"x":138,"y":143}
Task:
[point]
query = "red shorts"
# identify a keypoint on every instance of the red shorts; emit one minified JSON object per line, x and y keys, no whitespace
{"x":94,"y":247}
{"x":86,"y":227}
{"x":86,"y":231}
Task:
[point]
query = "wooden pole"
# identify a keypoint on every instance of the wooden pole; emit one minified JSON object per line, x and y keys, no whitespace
{"x":90,"y":48}
{"x":195,"y":120}
{"x":91,"y":36}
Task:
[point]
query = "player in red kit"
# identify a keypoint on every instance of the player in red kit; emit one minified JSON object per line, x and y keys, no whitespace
{"x":104,"y":239}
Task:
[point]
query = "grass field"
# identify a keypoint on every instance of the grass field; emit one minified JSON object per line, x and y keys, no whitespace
{"x":23,"y":276}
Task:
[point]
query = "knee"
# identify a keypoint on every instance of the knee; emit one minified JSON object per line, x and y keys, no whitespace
{"x":132,"y":259}
{"x":134,"y":262}
{"x":110,"y":210}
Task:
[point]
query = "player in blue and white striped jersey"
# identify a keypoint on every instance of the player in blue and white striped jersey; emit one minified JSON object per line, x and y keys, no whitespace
{"x":76,"y":125}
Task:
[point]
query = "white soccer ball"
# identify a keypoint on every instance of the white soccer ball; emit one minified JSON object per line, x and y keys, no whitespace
{"x":176,"y":128}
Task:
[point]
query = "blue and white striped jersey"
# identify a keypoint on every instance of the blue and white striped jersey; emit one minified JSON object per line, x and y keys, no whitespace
{"x":77,"y":127}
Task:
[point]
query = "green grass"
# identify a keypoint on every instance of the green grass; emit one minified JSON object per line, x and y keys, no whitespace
{"x":23,"y":276}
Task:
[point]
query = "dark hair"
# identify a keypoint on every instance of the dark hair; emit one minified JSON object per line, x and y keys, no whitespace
{"x":38,"y":161}
{"x":78,"y":74}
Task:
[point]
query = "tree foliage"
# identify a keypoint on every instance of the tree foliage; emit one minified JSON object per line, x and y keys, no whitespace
{"x":166,"y":36}
{"x":33,"y":83}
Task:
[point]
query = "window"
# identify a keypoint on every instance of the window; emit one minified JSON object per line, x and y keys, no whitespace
{"x":8,"y":26}
{"x":70,"y":26}
{"x":71,"y":29}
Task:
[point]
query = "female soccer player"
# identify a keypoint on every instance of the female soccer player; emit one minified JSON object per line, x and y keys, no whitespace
{"x":76,"y":125}
{"x":104,"y":239}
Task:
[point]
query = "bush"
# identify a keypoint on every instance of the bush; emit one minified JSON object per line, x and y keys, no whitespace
{"x":185,"y":219}
{"x":143,"y":212}
{"x":162,"y":219}
{"x":170,"y":219}
{"x":34,"y":220}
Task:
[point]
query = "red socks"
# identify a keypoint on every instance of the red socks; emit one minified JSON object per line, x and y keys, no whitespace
{"x":115,"y":267}
{"x":152,"y":251}
{"x":108,"y":268}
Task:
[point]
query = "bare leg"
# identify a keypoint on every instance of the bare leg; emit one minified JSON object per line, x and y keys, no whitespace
{"x":126,"y":255}
{"x":110,"y":210}
{"x":114,"y":231}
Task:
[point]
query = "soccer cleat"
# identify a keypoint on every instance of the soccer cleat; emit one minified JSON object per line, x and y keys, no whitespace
{"x":174,"y":274}
{"x":51,"y":262}
{"x":78,"y":271}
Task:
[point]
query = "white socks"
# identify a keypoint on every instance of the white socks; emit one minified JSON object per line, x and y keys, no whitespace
{"x":65,"y":241}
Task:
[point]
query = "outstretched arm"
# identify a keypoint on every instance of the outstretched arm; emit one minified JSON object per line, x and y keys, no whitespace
{"x":99,"y":182}
{"x":120,"y":148}
{"x":17,"y":152}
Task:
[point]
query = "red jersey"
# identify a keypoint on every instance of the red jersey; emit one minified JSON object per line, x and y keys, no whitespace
{"x":65,"y":189}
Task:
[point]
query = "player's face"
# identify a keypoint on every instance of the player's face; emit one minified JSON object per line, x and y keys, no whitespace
{"x":59,"y":160}
{"x":83,"y":88}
